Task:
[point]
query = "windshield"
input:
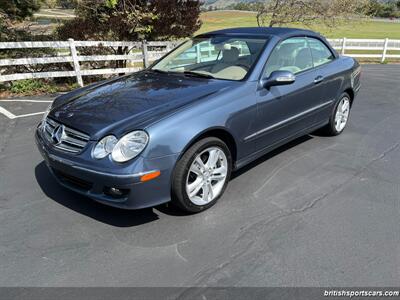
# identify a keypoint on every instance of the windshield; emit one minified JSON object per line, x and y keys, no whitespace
{"x":218,"y":57}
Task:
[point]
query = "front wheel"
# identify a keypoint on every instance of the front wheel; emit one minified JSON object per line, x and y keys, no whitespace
{"x":340,"y":115}
{"x":201,"y":175}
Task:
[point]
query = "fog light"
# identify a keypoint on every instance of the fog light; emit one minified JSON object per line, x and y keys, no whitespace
{"x":115,"y":192}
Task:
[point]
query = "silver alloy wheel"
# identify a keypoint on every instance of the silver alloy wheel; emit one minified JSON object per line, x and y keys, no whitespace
{"x":207,"y":175}
{"x":342,"y":114}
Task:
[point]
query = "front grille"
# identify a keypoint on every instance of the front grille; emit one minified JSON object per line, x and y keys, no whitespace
{"x":63,"y":137}
{"x":73,"y":181}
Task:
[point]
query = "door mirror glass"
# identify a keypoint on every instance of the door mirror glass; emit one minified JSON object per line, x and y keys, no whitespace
{"x":278,"y":78}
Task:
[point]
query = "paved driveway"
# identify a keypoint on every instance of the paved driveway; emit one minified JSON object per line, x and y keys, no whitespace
{"x":318,"y":212}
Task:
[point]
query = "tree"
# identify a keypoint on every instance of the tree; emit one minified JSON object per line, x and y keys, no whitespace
{"x":19,"y":9}
{"x":71,"y":4}
{"x":389,"y":11}
{"x":174,"y":19}
{"x":247,"y":6}
{"x":50,"y":3}
{"x":13,"y":12}
{"x":132,"y":19}
{"x":374,"y":8}
{"x":13,"y":28}
{"x":5,"y":24}
{"x":307,"y":12}
{"x":107,"y":20}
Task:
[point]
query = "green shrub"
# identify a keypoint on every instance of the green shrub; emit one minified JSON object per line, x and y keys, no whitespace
{"x":31,"y":86}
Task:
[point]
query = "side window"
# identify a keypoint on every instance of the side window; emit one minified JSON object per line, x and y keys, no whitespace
{"x":243,"y":48}
{"x":320,"y":52}
{"x":292,"y":55}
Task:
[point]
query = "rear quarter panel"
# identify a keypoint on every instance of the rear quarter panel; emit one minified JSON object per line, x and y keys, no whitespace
{"x":345,"y":73}
{"x":339,"y":77}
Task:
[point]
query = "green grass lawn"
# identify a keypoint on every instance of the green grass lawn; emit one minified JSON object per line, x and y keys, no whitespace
{"x":224,"y":19}
{"x":357,"y":29}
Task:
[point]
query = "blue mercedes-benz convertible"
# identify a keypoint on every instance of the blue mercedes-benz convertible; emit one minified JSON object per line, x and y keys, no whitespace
{"x":176,"y":130}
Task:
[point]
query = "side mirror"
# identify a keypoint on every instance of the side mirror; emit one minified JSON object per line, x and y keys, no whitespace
{"x":278,"y":78}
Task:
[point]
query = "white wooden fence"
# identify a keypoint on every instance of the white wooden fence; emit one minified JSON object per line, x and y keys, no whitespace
{"x":140,"y":55}
{"x":380,"y":47}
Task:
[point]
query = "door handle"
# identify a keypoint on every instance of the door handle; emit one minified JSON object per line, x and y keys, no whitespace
{"x":318,"y":79}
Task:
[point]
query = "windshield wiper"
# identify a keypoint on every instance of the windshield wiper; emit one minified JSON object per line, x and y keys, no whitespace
{"x":196,"y":74}
{"x":159,"y":71}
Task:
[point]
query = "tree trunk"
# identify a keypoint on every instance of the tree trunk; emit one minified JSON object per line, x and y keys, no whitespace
{"x":272,"y":22}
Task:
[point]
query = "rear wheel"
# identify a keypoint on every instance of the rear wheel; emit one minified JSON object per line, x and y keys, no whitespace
{"x":340,"y":115}
{"x":201,"y":175}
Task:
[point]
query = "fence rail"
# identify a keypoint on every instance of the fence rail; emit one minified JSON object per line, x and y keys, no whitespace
{"x":138,"y":54}
{"x":141,"y":53}
{"x":382,"y":46}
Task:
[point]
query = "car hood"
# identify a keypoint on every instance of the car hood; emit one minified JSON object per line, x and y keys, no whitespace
{"x":131,"y":102}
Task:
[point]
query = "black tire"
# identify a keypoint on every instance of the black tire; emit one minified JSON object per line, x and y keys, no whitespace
{"x":179,"y":194}
{"x":330,"y":129}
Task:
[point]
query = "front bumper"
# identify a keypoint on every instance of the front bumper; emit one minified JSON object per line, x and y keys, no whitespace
{"x":80,"y":174}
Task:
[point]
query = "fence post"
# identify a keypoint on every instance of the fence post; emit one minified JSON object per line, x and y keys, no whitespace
{"x":145,"y":54}
{"x":169,"y":47}
{"x":198,"y":53}
{"x":343,"y":45}
{"x":77,"y":67}
{"x":385,"y":46}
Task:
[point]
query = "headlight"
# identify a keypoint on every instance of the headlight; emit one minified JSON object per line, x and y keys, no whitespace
{"x":46,"y":113}
{"x":104,"y":147}
{"x":129,"y":146}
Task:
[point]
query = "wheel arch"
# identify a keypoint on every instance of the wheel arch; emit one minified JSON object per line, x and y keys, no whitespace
{"x":218,"y":132}
{"x":350,"y":92}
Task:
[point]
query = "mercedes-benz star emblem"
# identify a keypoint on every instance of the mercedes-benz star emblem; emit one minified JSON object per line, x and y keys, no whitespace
{"x":57,"y":134}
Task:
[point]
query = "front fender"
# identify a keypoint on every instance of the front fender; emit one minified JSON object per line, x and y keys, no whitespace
{"x":233,"y":111}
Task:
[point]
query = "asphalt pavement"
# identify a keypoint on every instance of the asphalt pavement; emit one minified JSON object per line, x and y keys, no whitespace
{"x":321,"y":211}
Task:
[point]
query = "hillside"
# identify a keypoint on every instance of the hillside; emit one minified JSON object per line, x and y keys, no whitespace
{"x":224,"y":3}
{"x":366,"y":29}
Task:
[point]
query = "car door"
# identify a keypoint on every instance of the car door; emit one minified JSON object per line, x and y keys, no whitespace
{"x":283,"y":111}
{"x":326,"y":74}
